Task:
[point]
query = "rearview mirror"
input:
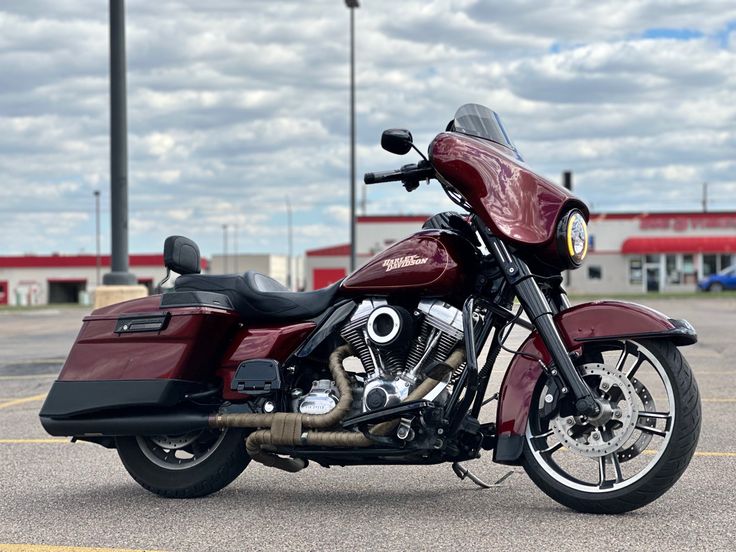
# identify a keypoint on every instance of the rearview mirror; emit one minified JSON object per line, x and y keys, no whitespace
{"x":396,"y":140}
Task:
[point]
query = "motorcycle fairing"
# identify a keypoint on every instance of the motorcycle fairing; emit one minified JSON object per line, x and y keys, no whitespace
{"x":513,"y":201}
{"x":588,"y":322}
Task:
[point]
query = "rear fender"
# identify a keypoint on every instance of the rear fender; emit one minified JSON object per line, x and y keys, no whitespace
{"x":589,"y":322}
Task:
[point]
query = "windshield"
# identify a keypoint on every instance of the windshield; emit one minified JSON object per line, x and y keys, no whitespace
{"x":481,"y":122}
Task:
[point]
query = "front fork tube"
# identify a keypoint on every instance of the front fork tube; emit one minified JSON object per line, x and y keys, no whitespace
{"x":539,"y":312}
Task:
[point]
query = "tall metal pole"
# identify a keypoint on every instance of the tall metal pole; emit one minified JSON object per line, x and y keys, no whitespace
{"x":224,"y":249}
{"x":235,"y":248}
{"x":119,"y":274}
{"x":98,"y":259}
{"x":289,"y":276}
{"x":705,"y":197}
{"x":352,"y":5}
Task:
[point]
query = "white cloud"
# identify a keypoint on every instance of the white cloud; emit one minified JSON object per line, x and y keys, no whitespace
{"x":233,"y":106}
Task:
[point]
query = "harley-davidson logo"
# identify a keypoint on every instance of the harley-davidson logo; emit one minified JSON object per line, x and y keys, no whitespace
{"x":401,"y":262}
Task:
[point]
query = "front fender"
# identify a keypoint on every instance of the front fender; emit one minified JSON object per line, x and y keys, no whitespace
{"x":595,"y":321}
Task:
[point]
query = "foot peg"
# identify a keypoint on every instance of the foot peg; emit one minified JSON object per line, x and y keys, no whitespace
{"x":462,"y":472}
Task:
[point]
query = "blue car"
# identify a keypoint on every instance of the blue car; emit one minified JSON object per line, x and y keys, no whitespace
{"x":725,"y":279}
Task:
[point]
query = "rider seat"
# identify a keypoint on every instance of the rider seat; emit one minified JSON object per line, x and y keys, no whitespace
{"x":258,"y":298}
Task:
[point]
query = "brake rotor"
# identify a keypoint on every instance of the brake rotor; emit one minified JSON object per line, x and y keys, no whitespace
{"x":607,"y":432}
{"x":644,"y":439}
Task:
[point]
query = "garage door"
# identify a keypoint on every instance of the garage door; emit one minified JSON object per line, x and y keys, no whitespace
{"x":65,"y":290}
{"x":323,"y":277}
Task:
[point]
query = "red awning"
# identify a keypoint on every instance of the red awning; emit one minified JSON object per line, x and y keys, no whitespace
{"x":680,"y":244}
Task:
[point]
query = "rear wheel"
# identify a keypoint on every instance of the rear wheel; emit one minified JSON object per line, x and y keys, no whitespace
{"x":636,"y":448}
{"x":185,"y":466}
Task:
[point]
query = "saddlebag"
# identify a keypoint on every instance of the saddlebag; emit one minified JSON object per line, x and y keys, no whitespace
{"x":142,"y":354}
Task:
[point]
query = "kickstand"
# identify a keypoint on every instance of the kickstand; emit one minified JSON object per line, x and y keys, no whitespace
{"x":462,"y":472}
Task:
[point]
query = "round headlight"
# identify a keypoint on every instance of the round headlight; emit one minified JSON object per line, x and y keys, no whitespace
{"x":572,"y":238}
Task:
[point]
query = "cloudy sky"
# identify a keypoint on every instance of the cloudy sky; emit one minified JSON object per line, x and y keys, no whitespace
{"x":236,"y":104}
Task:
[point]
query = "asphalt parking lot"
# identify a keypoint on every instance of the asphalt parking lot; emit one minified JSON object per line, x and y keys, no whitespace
{"x":55,"y":493}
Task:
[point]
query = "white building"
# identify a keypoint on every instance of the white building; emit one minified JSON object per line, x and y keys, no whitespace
{"x":42,"y":279}
{"x":628,"y":252}
{"x":649,"y":252}
{"x":275,"y":266}
{"x":49,"y":279}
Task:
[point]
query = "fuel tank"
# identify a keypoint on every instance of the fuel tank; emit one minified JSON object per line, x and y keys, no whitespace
{"x":430,"y":262}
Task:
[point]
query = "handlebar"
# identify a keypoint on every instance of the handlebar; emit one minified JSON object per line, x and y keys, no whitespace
{"x":384,"y":176}
{"x":410,"y":175}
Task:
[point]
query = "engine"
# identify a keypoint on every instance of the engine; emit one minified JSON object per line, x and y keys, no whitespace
{"x":394,"y":345}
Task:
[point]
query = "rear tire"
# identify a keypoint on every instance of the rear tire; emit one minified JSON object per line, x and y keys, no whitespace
{"x":657,"y":478}
{"x":220,"y":464}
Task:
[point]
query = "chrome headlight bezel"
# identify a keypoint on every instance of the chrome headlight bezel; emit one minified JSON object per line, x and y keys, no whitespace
{"x":572,"y":238}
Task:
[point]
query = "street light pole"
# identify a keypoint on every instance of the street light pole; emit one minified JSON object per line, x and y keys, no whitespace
{"x":224,"y":249}
{"x":235,"y":248}
{"x":98,"y":260}
{"x":289,"y":276}
{"x":119,"y":274}
{"x":705,"y":197}
{"x":352,"y":5}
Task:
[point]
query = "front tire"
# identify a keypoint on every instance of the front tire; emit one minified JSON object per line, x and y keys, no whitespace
{"x":186,"y":466}
{"x":716,"y":287}
{"x":631,"y":470}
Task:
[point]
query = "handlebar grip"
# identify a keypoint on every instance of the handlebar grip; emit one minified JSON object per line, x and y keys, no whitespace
{"x":369,"y":178}
{"x":378,"y":177}
{"x":406,"y":173}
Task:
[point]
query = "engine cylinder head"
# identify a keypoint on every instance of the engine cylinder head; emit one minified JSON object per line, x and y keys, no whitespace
{"x":439,"y":318}
{"x":355,"y":334}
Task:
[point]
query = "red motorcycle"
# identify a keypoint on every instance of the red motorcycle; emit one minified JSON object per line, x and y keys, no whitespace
{"x":597,"y":404}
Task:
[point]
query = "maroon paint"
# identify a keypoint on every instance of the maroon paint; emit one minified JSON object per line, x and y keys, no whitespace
{"x":599,"y":319}
{"x":512,"y":201}
{"x":515,"y":396}
{"x":250,"y":343}
{"x":448,"y":266}
{"x":188,"y":348}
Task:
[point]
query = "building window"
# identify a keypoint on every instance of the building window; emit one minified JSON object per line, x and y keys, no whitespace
{"x":595,"y":273}
{"x":673,"y":274}
{"x":726,"y":261}
{"x":710,"y":264}
{"x":635,"y":276}
{"x":688,"y":269}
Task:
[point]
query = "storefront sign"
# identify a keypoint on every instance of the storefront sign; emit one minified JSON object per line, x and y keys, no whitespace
{"x":683,"y":224}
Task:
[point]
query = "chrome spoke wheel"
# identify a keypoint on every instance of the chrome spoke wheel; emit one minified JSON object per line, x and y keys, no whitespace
{"x":621,"y":444}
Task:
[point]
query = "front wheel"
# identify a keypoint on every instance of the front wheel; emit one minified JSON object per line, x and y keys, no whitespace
{"x":185,"y":466}
{"x":636,"y":448}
